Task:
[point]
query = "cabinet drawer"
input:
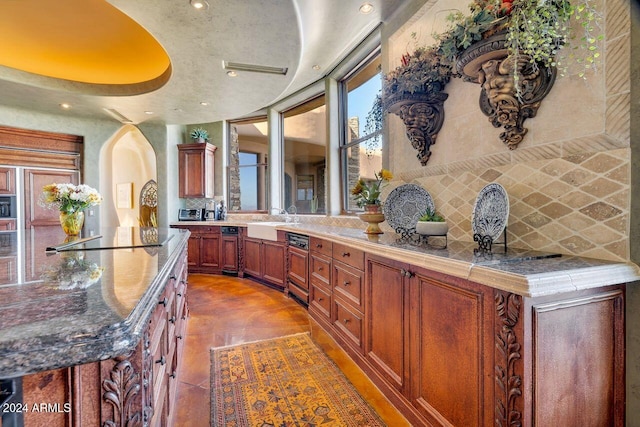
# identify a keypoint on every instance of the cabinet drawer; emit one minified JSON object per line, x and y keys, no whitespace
{"x":348,"y":255}
{"x":320,"y":246}
{"x":320,"y":301}
{"x":321,"y":270}
{"x":347,"y":283}
{"x":348,"y":323}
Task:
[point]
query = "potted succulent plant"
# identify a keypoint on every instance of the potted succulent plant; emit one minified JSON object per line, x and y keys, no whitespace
{"x":431,"y":224}
{"x":199,"y":135}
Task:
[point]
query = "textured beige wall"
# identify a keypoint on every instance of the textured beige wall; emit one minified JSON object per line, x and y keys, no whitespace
{"x":568,"y":181}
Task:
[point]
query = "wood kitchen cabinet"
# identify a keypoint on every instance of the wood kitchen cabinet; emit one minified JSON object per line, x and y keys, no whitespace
{"x":196,"y":170}
{"x":348,"y":310}
{"x":7,"y":180}
{"x":264,"y":260}
{"x":298,"y":273}
{"x":229,"y":254}
{"x":204,"y":249}
{"x":320,"y":292}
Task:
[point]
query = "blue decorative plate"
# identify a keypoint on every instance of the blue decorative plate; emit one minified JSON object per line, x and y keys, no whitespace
{"x":405,"y":205}
{"x":491,"y":211}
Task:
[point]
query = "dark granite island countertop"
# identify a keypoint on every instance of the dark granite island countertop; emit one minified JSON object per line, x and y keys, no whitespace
{"x":67,"y":308}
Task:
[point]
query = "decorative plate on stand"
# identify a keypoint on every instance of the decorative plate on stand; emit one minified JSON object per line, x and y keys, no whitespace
{"x":490,"y":212}
{"x":405,"y":205}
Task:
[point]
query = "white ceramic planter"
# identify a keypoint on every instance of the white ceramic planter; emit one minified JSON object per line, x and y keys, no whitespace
{"x":432,"y":228}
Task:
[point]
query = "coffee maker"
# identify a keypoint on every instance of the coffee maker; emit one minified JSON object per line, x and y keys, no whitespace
{"x":210,"y":211}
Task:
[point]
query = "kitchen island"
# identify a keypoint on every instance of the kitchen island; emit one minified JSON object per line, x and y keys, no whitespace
{"x":91,"y":334}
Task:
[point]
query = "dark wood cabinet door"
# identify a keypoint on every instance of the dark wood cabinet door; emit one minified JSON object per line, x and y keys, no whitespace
{"x":210,"y":246}
{"x":7,"y":180}
{"x":34,"y":180}
{"x":452,"y":370}
{"x":229,"y":254}
{"x":253,"y":257}
{"x":193,"y":250}
{"x":387,"y":322}
{"x":273,"y":265}
{"x":195,"y":170}
{"x":299,"y":267}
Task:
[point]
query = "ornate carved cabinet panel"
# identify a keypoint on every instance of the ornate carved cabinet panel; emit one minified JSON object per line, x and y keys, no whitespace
{"x":298,"y":273}
{"x":229,"y":254}
{"x":135,"y":389}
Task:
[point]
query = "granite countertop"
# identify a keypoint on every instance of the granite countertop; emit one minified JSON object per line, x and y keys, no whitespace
{"x":525,"y":272}
{"x":79,"y":306}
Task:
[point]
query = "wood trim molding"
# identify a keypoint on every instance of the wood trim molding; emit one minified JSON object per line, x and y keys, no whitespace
{"x":25,"y":147}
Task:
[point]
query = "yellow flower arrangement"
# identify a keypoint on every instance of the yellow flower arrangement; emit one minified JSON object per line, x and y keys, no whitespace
{"x":367,"y":192}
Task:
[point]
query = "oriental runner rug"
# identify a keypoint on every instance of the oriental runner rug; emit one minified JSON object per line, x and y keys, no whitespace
{"x":284,"y":381}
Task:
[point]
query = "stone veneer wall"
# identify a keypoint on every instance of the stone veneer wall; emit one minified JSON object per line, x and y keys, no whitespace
{"x":568,"y":181}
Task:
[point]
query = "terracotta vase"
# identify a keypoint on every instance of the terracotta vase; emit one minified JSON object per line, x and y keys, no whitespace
{"x":72,"y":222}
{"x":373,"y":216}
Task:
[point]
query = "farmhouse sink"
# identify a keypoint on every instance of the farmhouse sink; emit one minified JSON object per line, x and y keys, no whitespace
{"x":263,"y":230}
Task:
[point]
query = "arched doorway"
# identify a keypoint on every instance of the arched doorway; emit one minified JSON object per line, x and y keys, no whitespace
{"x":127,"y":163}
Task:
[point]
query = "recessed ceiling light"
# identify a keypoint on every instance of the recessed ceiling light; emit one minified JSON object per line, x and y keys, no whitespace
{"x":316,"y":67}
{"x":204,"y":103}
{"x":199,"y":4}
{"x":366,"y":8}
{"x":232,"y":73}
{"x":65,"y":105}
{"x":148,"y":112}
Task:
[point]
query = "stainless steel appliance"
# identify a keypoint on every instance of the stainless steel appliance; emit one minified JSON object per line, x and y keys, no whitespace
{"x":190,"y":214}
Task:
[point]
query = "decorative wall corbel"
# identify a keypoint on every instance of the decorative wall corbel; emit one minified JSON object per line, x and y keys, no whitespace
{"x":423,"y":115}
{"x":488,"y":63}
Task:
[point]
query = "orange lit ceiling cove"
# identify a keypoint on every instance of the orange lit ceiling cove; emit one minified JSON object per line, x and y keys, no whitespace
{"x":85,"y":41}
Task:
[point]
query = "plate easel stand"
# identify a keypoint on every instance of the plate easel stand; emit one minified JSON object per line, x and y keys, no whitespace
{"x":485,"y":243}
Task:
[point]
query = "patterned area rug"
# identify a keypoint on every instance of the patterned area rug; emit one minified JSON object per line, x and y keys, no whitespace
{"x":284,"y":381}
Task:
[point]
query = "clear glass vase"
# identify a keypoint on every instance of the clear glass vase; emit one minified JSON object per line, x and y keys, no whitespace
{"x":72,"y":222}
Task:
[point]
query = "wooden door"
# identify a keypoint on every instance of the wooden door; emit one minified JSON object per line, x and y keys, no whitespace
{"x":7,"y":180}
{"x":193,"y":249}
{"x":229,"y":254}
{"x":210,"y":251}
{"x":252,"y":257}
{"x":273,"y":265}
{"x":299,"y":267}
{"x":452,"y":347}
{"x":34,"y":180}
{"x":386,"y":320}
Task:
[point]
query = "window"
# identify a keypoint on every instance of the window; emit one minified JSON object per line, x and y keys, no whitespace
{"x":247,"y":171}
{"x":363,"y":142}
{"x":305,"y":142}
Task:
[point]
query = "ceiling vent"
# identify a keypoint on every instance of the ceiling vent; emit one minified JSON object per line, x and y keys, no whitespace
{"x":237,"y":66}
{"x":117,"y":115}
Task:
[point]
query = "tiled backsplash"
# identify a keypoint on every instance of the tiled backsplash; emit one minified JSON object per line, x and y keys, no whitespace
{"x":573,"y":205}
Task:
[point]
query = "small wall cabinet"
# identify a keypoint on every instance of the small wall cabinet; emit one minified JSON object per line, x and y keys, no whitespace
{"x":196,"y":170}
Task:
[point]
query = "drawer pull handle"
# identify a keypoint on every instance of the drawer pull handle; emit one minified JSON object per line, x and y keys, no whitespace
{"x":179,"y":337}
{"x":180,"y":294}
{"x":173,"y":374}
{"x":162,"y":360}
{"x":173,"y":278}
{"x":320,"y":268}
{"x":318,"y":245}
{"x":345,"y":254}
{"x":320,"y":299}
{"x":164,"y":301}
{"x":173,"y":319}
{"x":346,"y":283}
{"x":346,"y":321}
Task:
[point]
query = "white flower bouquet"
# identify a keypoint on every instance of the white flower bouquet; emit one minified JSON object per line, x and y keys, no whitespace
{"x":69,"y":198}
